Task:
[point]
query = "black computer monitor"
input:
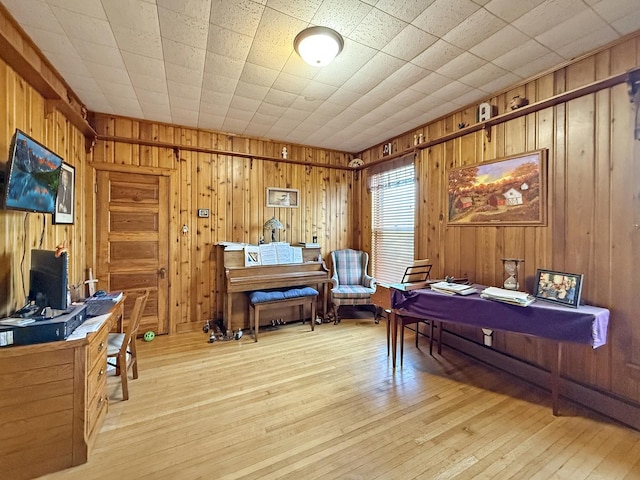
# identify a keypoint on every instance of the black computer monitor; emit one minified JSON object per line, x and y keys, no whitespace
{"x":48,"y":279}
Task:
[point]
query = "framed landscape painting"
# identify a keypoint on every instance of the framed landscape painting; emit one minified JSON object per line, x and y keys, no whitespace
{"x":507,"y":191}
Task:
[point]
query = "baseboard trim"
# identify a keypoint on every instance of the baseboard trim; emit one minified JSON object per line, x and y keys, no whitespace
{"x":606,"y":404}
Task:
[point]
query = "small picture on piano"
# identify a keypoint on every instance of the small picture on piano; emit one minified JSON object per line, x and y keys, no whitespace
{"x":251,"y":255}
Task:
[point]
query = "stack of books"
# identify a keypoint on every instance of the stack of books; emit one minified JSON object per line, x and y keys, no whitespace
{"x":453,"y":288}
{"x":511,"y":297}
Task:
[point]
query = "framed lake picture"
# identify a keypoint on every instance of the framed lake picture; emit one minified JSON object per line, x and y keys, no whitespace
{"x":507,"y":191}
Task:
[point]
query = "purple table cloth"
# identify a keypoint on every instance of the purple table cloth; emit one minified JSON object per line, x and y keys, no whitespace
{"x":585,"y":324}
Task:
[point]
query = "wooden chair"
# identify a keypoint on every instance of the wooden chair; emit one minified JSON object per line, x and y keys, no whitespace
{"x":121,"y":345}
{"x":403,"y":321}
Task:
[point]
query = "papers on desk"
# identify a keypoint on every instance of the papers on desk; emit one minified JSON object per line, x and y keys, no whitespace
{"x":512,"y":297}
{"x":453,"y":288}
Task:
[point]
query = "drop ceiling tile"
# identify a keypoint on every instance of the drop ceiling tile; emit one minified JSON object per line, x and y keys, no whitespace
{"x":301,"y":9}
{"x":145,"y":65}
{"x":183,"y":91}
{"x":99,"y":54}
{"x":228,"y":43}
{"x":271,"y":110}
{"x":105,"y":73}
{"x":342,"y":16}
{"x":482,"y":75}
{"x":377,"y":29}
{"x":258,"y":75}
{"x":211,"y":98}
{"x":290,"y":83}
{"x":461,"y":65}
{"x":150,"y":98}
{"x":139,"y":42}
{"x":91,"y":8}
{"x":581,"y":25}
{"x":437,"y":55}
{"x":526,"y":53}
{"x":277,"y":97}
{"x":503,"y":82}
{"x":405,"y":10}
{"x":410,"y":42}
{"x":187,"y":118}
{"x":595,"y":38}
{"x":265,"y":119}
{"x":296,"y":115}
{"x":452,"y":90}
{"x":241,"y":16}
{"x":151,"y":83}
{"x":273,"y":43}
{"x":116,"y":90}
{"x":443,"y":15}
{"x":193,"y":8}
{"x":233,"y":125}
{"x":133,"y":15}
{"x":250,"y":90}
{"x":352,"y":59}
{"x":508,"y":10}
{"x":627,"y":24}
{"x":373,"y":72}
{"x":318,"y":90}
{"x":128,"y":104}
{"x":469,"y":98}
{"x":84,"y":28}
{"x":475,"y":28}
{"x":183,"y":28}
{"x":210,"y":121}
{"x":344,"y":97}
{"x":305,"y":105}
{"x":432,"y":82}
{"x":613,"y":10}
{"x":222,"y":65}
{"x":257,"y":130}
{"x":186,"y":76}
{"x":219,"y":83}
{"x":407,"y":98}
{"x":183,"y":55}
{"x":23,"y":11}
{"x":548,"y":15}
{"x":501,"y":42}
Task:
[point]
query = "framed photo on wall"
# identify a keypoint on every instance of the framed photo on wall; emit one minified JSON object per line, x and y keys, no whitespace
{"x":507,"y":191}
{"x":283,"y":197}
{"x":65,"y":199}
{"x":558,"y":287}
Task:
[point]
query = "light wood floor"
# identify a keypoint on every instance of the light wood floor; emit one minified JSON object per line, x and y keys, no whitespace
{"x":327,"y":405}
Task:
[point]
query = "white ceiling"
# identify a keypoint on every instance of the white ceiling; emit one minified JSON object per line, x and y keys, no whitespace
{"x":229,"y":65}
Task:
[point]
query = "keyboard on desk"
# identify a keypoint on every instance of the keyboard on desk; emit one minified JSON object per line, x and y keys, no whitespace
{"x":99,"y":307}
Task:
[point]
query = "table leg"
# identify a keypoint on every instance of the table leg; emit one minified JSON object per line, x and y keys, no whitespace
{"x":555,"y":379}
{"x":394,"y":336}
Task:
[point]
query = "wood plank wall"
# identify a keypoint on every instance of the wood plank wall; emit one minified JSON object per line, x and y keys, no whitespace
{"x":24,"y":108}
{"x":233,"y":188}
{"x":593,"y":210}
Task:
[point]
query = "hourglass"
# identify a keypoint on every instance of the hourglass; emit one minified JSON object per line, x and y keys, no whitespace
{"x":511,"y":267}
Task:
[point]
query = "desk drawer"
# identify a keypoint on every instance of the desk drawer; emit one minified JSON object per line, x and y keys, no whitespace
{"x":96,"y":377}
{"x":97,"y":407}
{"x":97,"y":348}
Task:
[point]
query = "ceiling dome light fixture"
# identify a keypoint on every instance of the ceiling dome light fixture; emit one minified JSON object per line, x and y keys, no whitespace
{"x":318,"y":46}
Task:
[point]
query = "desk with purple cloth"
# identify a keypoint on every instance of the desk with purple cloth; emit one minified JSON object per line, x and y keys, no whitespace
{"x":585,"y":325}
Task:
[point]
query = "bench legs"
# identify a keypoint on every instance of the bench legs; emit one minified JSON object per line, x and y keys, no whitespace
{"x":301,"y":302}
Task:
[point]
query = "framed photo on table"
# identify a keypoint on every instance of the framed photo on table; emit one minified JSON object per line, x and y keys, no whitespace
{"x":559,"y":287}
{"x":65,"y":198}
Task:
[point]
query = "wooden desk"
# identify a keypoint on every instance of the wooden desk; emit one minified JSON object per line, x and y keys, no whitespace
{"x":585,"y":324}
{"x":53,"y":400}
{"x":240,"y":279}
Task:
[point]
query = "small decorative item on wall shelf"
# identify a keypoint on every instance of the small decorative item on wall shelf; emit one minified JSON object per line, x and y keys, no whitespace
{"x":559,"y":287}
{"x":507,"y":191}
{"x":387,"y":149}
{"x":485,"y":111}
{"x":283,"y":197}
{"x":517,"y":102}
{"x":65,"y":199}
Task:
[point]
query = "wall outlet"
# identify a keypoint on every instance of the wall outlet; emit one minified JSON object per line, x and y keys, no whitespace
{"x":203,"y":213}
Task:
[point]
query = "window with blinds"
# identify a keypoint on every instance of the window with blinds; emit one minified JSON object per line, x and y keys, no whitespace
{"x":393,"y":195}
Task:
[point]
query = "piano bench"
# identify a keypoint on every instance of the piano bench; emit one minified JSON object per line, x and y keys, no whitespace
{"x":264,"y":299}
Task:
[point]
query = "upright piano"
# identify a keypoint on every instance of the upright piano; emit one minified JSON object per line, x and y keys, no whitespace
{"x":240,"y":279}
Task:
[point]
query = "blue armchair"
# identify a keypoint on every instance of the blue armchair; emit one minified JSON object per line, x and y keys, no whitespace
{"x":351,"y":283}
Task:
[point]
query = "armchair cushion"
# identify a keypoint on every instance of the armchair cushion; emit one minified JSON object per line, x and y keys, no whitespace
{"x":351,"y":283}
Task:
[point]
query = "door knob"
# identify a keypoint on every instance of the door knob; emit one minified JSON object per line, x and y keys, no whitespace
{"x":162,"y":271}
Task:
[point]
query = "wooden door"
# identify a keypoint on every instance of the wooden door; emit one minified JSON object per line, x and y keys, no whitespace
{"x":132,"y":232}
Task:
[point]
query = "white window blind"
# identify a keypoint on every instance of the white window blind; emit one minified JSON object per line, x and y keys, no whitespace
{"x":393,"y":195}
